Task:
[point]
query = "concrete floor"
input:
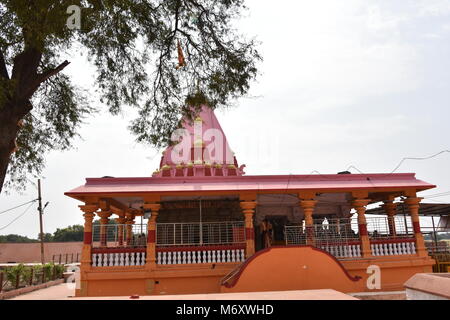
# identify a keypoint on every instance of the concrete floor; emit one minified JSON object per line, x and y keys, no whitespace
{"x":65,"y":291}
{"x":61,"y":291}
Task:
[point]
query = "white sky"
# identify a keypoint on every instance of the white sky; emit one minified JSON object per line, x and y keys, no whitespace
{"x":356,"y":82}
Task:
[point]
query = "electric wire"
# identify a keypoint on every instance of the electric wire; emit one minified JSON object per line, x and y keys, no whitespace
{"x":7,"y":210}
{"x":16,"y":218}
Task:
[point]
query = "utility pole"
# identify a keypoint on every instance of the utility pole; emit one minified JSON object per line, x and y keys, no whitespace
{"x":40,"y":221}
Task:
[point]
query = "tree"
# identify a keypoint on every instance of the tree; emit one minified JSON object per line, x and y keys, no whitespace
{"x":15,"y":238}
{"x":71,"y":233}
{"x":48,"y":237}
{"x":134,"y":45}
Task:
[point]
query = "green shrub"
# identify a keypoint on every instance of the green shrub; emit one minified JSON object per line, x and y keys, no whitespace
{"x":26,"y":275}
{"x":15,"y":274}
{"x":48,"y":271}
{"x":38,"y":269}
{"x":60,"y":268}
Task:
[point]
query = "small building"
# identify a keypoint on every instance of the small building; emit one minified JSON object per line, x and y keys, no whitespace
{"x":199,"y":224}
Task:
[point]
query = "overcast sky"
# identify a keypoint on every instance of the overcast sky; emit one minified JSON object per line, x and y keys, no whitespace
{"x":355,"y":82}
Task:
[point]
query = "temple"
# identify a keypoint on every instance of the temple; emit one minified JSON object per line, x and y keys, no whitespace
{"x":199,"y":224}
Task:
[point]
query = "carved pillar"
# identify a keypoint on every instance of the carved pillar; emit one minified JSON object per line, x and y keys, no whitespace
{"x":151,"y":233}
{"x":89,"y":213}
{"x":413,"y":206}
{"x":104,"y":220}
{"x":391,"y":209}
{"x":248,"y":208}
{"x":360,"y":207}
{"x":86,"y":259}
{"x":120,"y":230}
{"x":129,"y":228}
{"x":308,"y":209}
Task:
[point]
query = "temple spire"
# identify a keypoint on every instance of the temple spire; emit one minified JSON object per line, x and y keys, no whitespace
{"x":202,"y":150}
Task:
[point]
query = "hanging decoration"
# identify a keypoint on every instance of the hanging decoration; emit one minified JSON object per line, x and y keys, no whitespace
{"x":181,"y":61}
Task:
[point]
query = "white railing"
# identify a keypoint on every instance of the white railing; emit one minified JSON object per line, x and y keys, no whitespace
{"x":338,"y":240}
{"x":114,"y":259}
{"x":343,"y":250}
{"x":196,"y":255}
{"x":392,"y":248}
{"x":198,"y":234}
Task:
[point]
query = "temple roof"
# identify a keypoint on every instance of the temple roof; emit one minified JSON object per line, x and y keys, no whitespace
{"x":262,"y":183}
{"x":203,"y":150}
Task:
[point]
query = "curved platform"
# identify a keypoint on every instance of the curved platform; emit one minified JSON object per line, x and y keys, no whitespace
{"x":291,"y":268}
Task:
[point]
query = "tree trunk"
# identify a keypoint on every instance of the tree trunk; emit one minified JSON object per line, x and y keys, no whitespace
{"x":26,"y":81}
{"x":8,"y":132}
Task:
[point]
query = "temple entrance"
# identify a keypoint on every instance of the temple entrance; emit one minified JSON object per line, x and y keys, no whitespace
{"x":270,"y":230}
{"x":278,"y":223}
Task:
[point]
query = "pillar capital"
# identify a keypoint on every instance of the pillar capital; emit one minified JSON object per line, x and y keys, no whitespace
{"x":88,"y":217}
{"x":129,"y":216}
{"x":104,"y":214}
{"x":154,"y":207}
{"x":121,"y":220}
{"x":308,"y":204}
{"x":412,"y":201}
{"x":88,"y":208}
{"x":307,"y":195}
{"x":390,"y":207}
{"x":104,"y":205}
{"x":360,"y":203}
{"x":248,"y":205}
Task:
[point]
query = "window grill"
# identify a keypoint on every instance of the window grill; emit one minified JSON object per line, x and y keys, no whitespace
{"x":196,"y":233}
{"x":119,"y":235}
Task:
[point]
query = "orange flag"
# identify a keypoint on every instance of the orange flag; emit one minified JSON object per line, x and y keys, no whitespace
{"x":181,"y":62}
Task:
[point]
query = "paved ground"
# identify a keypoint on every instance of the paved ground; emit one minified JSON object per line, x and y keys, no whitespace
{"x":61,"y":291}
{"x":390,"y":295}
{"x":66,"y":291}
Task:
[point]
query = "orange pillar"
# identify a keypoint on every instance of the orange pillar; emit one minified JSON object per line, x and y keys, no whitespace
{"x":308,"y":209}
{"x":86,"y":259}
{"x":120,"y":221}
{"x":360,"y":207}
{"x":104,"y":220}
{"x":151,"y":234}
{"x":413,"y":206}
{"x":129,"y":228}
{"x":248,"y":208}
{"x":391,"y":209}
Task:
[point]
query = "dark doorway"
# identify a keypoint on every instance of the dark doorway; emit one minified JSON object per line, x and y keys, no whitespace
{"x":278,"y":223}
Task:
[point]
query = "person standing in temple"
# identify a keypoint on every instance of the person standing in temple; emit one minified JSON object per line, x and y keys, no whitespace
{"x":266,"y":233}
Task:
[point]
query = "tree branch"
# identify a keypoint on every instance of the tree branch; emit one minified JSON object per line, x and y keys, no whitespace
{"x":45,"y":75}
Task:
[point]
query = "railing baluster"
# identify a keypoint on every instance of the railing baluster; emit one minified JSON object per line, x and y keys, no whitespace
{"x":189,"y":257}
{"x":413,"y":247}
